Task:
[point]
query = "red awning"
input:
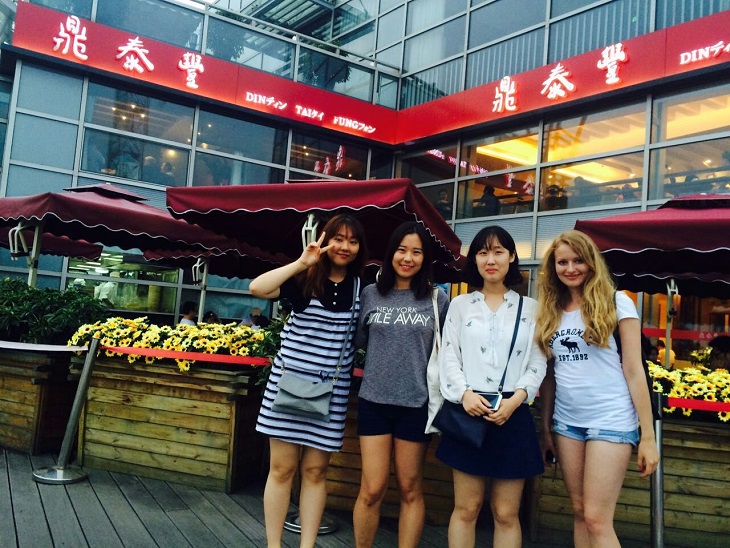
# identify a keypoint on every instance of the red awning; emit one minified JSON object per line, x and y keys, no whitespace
{"x":271,"y":216}
{"x":686,"y":239}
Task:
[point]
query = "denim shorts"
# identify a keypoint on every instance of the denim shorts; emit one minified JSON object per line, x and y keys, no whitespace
{"x":596,"y":434}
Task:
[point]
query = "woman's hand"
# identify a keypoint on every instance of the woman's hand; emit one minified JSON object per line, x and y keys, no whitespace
{"x":547,"y":446}
{"x":313,"y":252}
{"x":647,"y":456}
{"x":474,"y":404}
{"x":506,"y":408}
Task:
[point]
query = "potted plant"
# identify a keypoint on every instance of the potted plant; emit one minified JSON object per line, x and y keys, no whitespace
{"x":176,"y":403}
{"x":35,"y":392}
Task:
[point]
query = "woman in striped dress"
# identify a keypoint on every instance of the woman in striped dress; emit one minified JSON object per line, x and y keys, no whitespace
{"x":323,"y":287}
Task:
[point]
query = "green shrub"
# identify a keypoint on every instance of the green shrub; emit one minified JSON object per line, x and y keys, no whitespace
{"x":44,"y":316}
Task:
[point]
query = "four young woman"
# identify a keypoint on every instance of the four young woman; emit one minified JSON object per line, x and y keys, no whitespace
{"x":493,"y":340}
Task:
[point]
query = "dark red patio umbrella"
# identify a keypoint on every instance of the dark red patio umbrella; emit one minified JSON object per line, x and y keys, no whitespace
{"x":686,"y":239}
{"x":107,"y":215}
{"x":21,"y":245}
{"x":271,"y":217}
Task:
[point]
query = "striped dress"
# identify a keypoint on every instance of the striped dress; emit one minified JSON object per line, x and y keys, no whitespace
{"x":310,"y":347}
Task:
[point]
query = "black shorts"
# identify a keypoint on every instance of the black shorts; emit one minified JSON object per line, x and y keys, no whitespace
{"x":403,"y":423}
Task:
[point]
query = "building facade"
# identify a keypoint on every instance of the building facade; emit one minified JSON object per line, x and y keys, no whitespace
{"x":526,"y":113}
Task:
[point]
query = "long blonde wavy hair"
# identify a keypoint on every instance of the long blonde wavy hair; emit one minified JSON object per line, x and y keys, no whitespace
{"x":598,"y":303}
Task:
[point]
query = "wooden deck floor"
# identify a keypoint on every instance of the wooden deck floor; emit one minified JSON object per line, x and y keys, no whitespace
{"x":112,"y":510}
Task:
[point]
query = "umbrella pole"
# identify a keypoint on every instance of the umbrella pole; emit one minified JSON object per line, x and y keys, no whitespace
{"x":657,"y":480}
{"x":309,"y":230}
{"x":33,"y":258}
{"x":203,"y":285}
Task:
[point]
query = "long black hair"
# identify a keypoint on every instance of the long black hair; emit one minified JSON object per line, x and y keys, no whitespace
{"x":486,"y":238}
{"x":421,"y":282}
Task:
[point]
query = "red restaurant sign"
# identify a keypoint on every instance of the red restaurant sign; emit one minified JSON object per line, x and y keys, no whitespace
{"x":691,"y":46}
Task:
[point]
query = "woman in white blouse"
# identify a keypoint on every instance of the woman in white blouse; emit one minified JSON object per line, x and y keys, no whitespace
{"x":475,"y":357}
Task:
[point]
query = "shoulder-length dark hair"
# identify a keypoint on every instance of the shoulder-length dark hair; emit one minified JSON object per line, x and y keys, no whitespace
{"x":312,"y":280}
{"x":421,"y":282}
{"x":486,"y":238}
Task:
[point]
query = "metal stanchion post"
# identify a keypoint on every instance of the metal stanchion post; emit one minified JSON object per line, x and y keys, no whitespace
{"x":62,"y":473}
{"x":657,"y":483}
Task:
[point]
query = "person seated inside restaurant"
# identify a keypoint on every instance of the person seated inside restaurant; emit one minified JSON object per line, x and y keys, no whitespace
{"x":189,"y":313}
{"x":211,"y":317}
{"x":487,"y":204}
{"x":720,"y":353}
{"x":661,"y":354}
{"x":443,"y":204}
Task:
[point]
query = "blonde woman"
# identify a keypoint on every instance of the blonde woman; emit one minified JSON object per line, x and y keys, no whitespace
{"x":595,"y":401}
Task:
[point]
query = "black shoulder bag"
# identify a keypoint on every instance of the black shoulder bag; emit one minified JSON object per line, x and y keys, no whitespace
{"x":453,"y":420}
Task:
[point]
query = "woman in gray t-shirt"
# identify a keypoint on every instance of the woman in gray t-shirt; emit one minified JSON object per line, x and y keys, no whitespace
{"x":397,"y":328}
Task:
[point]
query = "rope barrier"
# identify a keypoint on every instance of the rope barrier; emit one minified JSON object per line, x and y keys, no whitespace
{"x":699,"y":405}
{"x":191,"y":356}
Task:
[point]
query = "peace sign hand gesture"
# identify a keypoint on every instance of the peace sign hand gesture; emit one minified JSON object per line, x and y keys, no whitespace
{"x":313,"y":252}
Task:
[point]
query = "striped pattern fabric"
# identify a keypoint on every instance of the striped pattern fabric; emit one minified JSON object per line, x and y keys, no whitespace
{"x":310,"y":347}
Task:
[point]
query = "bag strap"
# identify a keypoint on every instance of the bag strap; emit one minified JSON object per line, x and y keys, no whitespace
{"x":355,"y":287}
{"x":436,"y":319}
{"x":512,"y":344}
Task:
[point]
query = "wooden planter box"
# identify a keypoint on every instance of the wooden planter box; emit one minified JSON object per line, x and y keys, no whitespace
{"x":36,"y":396}
{"x":195,"y":428}
{"x":696,"y":459}
{"x":343,"y":478}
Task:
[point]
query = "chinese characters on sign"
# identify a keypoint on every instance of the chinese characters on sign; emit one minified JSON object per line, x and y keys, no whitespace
{"x":71,"y":36}
{"x":504,"y":96}
{"x":192,"y":64}
{"x":610,"y":59}
{"x":135,"y":55}
{"x":557,"y":85}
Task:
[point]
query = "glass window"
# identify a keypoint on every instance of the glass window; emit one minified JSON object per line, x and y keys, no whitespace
{"x":496,"y":195}
{"x":248,"y":48}
{"x":339,"y":159}
{"x":613,"y":180}
{"x":334,"y":74}
{"x":82,"y":8}
{"x":442,"y":198}
{"x":33,"y":92}
{"x":513,"y":56}
{"x":499,"y":152}
{"x":387,"y":91}
{"x":426,"y":13}
{"x":137,"y":113}
{"x":353,"y":14}
{"x":595,"y":133}
{"x":125,"y":281}
{"x":360,"y":41}
{"x":381,"y":164}
{"x":24,"y":181}
{"x":559,"y":7}
{"x":431,"y":165}
{"x":182,"y":27}
{"x":434,"y":45}
{"x":674,"y":12}
{"x":6,"y":89}
{"x":607,"y":24}
{"x":387,"y":4}
{"x":393,"y":55}
{"x":431,"y":84}
{"x":690,"y":169}
{"x":136,"y":159}
{"x":390,"y":28}
{"x":689,"y":114}
{"x":504,"y":17}
{"x":242,"y":138}
{"x":213,"y":170}
{"x":44,"y":142}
